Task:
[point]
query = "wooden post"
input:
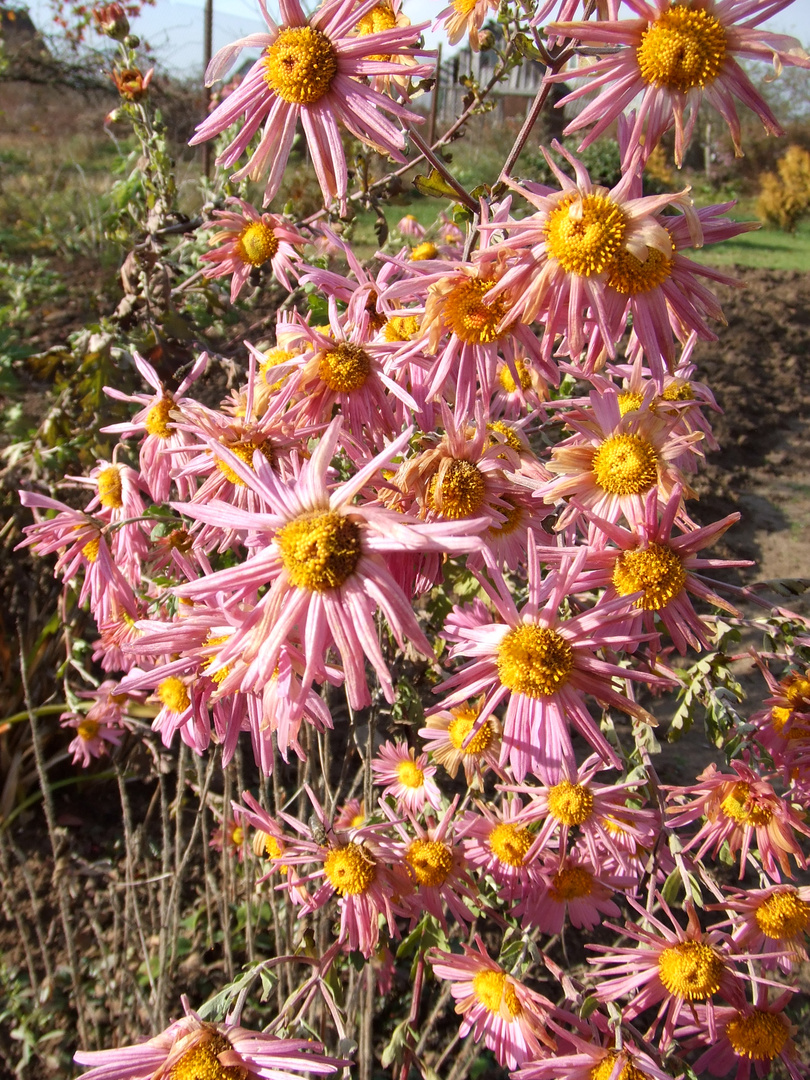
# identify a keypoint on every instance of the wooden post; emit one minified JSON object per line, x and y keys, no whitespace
{"x":208,"y":47}
{"x":434,"y":103}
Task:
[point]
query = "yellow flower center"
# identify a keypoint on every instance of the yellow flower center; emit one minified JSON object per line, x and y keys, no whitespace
{"x":431,"y":861}
{"x":797,"y":691}
{"x":535,"y":661}
{"x":350,"y":869}
{"x":91,"y":548}
{"x":88,"y":729}
{"x":655,"y":571}
{"x":741,"y":806}
{"x":256,"y":244}
{"x":570,"y":884}
{"x":409,"y":774}
{"x":109,"y":487}
{"x":508,"y":432}
{"x":572,"y":804}
{"x":319,"y":550}
{"x":783,"y":915}
{"x":461,"y":492}
{"x":300,"y":65}
{"x":510,"y":843}
{"x":202,"y":1062}
{"x":604,"y":1070}
{"x":157,"y":419}
{"x":173,"y":694}
{"x":379,"y":19}
{"x":629,"y":400}
{"x":585,"y":233}
{"x":513,"y":516}
{"x":272,"y":359}
{"x":244,"y":450}
{"x":678,"y":391}
{"x":460,"y":727}
{"x":401,"y":328}
{"x":495,"y":991}
{"x":759,"y":1035}
{"x":423,"y":251}
{"x":630,"y":276}
{"x":625,"y":465}
{"x":690,"y":970}
{"x":507,"y":381}
{"x":469,"y":317}
{"x":685,"y":47}
{"x":779,"y":717}
{"x":345,"y":368}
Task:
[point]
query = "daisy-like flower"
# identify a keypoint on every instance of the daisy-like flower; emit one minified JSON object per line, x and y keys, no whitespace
{"x":749,"y":1039}
{"x":454,"y":738}
{"x":613,"y":462}
{"x":773,"y":923}
{"x":574,"y":887}
{"x":674,"y":54}
{"x":783,"y":726}
{"x":93,"y":737}
{"x":351,"y":866}
{"x":660,"y":570}
{"x":464,"y":18}
{"x":432,"y":867}
{"x":161,"y":450}
{"x":570,"y":799}
{"x":561,"y":257}
{"x":407,"y":778}
{"x":498,"y":843}
{"x":190,"y":1048}
{"x":312,"y":70}
{"x":670,"y":967}
{"x":508,"y":1016}
{"x":541,"y":665}
{"x":745,"y":811}
{"x":593,"y":1062}
{"x":248,"y":239}
{"x":388,"y":15}
{"x":322,"y":556}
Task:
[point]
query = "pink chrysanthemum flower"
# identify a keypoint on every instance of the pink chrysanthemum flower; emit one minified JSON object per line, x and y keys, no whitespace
{"x":498,"y":843}
{"x":190,"y":1048}
{"x":613,"y":462}
{"x":312,"y":70}
{"x":743,"y":810}
{"x":657,"y":571}
{"x":751,"y":1038}
{"x":773,"y":923}
{"x":408,"y":779}
{"x":464,"y":18}
{"x":93,"y":737}
{"x":118,"y":501}
{"x":560,"y":258}
{"x":674,"y":54}
{"x":508,"y":1016}
{"x":161,"y":450}
{"x":541,"y":665}
{"x":454,"y":738}
{"x":351,"y":815}
{"x":593,"y":1062}
{"x":351,"y":866}
{"x":570,"y":799}
{"x":575,"y":888}
{"x":672,"y":968}
{"x":432,"y":862}
{"x":342,"y":371}
{"x":247,"y":240}
{"x":388,"y":15}
{"x":322,"y":557}
{"x":783,"y":726}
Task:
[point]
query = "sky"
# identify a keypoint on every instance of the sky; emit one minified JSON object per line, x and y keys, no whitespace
{"x":174,"y":28}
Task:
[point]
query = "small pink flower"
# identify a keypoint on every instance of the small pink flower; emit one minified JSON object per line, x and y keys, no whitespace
{"x":247,"y":240}
{"x":408,"y":779}
{"x":773,"y":923}
{"x":508,"y":1016}
{"x":191,"y":1047}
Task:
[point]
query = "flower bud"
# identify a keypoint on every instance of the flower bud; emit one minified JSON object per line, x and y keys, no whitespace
{"x":111,"y":19}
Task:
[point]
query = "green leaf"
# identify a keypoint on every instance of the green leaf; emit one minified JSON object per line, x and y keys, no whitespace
{"x":435,"y":186}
